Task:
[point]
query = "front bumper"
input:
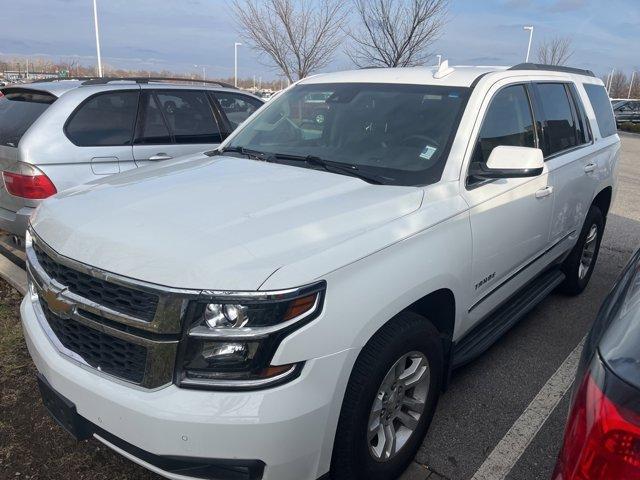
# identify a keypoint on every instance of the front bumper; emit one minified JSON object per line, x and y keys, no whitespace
{"x":15,"y":222}
{"x":289,"y":428}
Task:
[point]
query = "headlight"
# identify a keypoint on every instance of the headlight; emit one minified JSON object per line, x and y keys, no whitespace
{"x":232,"y":337}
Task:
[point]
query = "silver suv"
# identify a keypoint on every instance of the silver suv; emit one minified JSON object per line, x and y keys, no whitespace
{"x":58,"y":134}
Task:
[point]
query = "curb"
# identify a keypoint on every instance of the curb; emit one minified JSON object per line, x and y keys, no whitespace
{"x":13,"y":274}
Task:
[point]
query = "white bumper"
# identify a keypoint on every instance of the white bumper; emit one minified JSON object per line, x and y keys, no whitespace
{"x":290,"y":428}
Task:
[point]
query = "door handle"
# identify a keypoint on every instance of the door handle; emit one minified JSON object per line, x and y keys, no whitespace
{"x":544,"y":192}
{"x":160,"y":156}
{"x":589,"y":167}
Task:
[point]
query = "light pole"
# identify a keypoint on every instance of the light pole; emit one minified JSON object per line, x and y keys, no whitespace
{"x":95,"y":22}
{"x":235,"y":63}
{"x":610,"y":82}
{"x":530,"y":28}
{"x":439,"y":59}
{"x":633,"y":75}
{"x":204,"y":73}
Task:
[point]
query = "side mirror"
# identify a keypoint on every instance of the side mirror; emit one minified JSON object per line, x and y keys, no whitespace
{"x":511,"y":162}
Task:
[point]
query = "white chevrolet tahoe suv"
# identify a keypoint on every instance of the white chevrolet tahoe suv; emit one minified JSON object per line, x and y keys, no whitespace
{"x":290,"y":305}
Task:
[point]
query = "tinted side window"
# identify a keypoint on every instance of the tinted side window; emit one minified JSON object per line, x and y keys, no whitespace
{"x":583,"y":130}
{"x":508,"y":122}
{"x":152,"y":129}
{"x":189,"y":116}
{"x":236,"y":107}
{"x":560,"y":125}
{"x":602,"y":107}
{"x":106,"y":119}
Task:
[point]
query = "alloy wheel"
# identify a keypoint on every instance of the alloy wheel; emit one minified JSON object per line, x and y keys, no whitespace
{"x":398,"y":406}
{"x":588,"y":252}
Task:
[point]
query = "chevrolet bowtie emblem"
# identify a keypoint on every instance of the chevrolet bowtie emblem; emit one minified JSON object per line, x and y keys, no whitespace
{"x":56,"y":303}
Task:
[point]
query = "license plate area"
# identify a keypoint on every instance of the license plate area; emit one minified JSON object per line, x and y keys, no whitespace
{"x":63,"y":411}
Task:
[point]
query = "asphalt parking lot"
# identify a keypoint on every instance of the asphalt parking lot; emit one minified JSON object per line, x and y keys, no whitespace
{"x":484,"y":400}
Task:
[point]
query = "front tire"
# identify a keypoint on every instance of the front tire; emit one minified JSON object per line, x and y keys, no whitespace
{"x":390,"y":400}
{"x":578,"y":266}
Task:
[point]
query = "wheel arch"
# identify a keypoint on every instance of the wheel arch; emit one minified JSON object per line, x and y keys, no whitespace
{"x":439,"y":307}
{"x":603,"y":200}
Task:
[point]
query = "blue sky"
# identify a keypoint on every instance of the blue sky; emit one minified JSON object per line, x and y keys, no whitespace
{"x":177,"y":34}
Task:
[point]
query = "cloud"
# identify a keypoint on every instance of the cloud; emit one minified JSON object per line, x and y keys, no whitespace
{"x":520,"y":4}
{"x":552,"y":6}
{"x":560,"y":6}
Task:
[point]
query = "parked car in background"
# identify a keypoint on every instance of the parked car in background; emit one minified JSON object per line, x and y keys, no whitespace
{"x":58,"y":134}
{"x":626,"y":111}
{"x":602,"y":436}
{"x":293,"y":302}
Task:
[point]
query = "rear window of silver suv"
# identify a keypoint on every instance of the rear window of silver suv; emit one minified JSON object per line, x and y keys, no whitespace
{"x":19,"y":108}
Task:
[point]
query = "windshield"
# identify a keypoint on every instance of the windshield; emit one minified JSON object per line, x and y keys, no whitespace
{"x":399,"y":133}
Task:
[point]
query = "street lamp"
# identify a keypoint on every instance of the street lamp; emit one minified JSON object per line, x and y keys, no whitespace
{"x":235,"y":63}
{"x":95,"y":22}
{"x":530,"y":28}
{"x":204,"y":73}
{"x":610,"y":81}
{"x":439,"y":59}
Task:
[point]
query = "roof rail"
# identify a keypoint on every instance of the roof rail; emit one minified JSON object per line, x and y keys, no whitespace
{"x":551,"y":68}
{"x":56,"y":79}
{"x":105,"y":80}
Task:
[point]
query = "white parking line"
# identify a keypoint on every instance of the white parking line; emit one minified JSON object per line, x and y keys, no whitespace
{"x":511,"y":447}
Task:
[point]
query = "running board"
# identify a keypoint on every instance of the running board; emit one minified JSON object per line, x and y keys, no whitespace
{"x":481,"y":337}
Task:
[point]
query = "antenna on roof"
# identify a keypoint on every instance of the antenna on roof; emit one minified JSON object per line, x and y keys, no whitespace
{"x":443,"y":70}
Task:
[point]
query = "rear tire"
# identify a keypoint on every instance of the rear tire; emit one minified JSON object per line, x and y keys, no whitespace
{"x":387,"y":390}
{"x":578,"y":266}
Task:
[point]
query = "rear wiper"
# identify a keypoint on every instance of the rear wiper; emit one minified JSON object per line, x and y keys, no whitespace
{"x":334,"y":167}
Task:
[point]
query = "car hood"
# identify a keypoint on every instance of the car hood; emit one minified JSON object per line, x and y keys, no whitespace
{"x":214,"y":222}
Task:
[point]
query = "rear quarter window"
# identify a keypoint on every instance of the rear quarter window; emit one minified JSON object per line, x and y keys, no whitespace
{"x":19,"y":109}
{"x":106,"y":119}
{"x":602,"y":107}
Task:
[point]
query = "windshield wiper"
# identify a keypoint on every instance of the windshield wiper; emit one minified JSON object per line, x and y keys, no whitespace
{"x":329,"y":166}
{"x":247,"y":152}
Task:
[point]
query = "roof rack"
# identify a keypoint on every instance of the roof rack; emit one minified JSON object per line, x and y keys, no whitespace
{"x":551,"y":68}
{"x":105,"y":80}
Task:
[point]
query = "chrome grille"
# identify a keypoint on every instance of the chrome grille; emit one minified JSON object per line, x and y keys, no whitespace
{"x":106,"y":353}
{"x":122,"y":327}
{"x":121,"y":299}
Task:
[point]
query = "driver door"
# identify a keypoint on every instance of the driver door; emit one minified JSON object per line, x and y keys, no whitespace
{"x":510,"y":217}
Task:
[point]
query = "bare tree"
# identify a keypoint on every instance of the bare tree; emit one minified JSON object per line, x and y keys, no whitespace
{"x":556,"y":51}
{"x":395,"y":33}
{"x":298,"y":37}
{"x":618,"y":85}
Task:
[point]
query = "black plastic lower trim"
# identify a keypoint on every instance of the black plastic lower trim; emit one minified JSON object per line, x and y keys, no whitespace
{"x":492,"y":327}
{"x":218,"y":469}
